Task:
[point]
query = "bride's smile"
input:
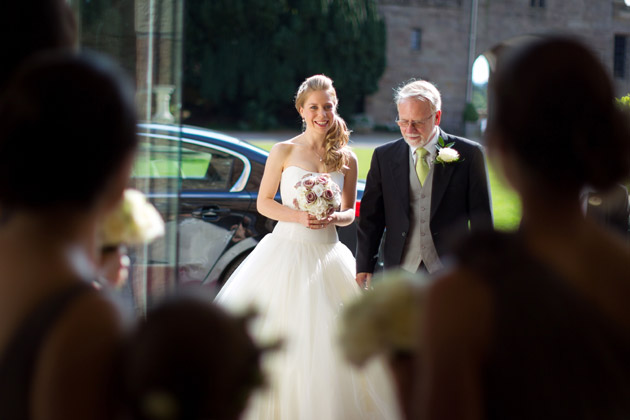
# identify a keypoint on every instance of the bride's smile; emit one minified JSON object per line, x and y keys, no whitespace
{"x":318,"y":111}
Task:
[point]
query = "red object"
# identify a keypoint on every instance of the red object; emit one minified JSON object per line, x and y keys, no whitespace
{"x":357,"y":208}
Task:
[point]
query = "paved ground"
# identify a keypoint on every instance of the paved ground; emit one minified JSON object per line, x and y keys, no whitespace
{"x":356,"y":139}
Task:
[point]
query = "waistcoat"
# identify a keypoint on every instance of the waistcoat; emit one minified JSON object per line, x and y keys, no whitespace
{"x":419,"y":246}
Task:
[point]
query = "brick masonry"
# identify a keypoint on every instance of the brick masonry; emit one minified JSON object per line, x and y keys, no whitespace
{"x":445,"y":28}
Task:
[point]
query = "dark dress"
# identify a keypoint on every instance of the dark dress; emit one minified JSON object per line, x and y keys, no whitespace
{"x":554,"y":355}
{"x":17,"y":365}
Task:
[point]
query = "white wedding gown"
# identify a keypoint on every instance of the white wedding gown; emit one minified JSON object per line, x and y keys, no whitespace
{"x":299,"y":279}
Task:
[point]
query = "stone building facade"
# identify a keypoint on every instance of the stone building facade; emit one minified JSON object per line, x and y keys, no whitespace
{"x":431,"y":39}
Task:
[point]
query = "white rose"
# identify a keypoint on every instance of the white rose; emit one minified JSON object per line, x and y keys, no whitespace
{"x":447,"y":155}
{"x":301,"y":199}
{"x":319,"y":208}
{"x":134,"y":221}
{"x":385,"y":320}
{"x":318,"y":189}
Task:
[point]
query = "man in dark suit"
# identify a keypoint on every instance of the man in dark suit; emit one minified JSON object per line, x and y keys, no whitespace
{"x":426,"y":190}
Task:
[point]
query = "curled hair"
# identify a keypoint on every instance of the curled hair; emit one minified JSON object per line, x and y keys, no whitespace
{"x":337,"y":137}
{"x":67,"y":126}
{"x":421,"y":90}
{"x":553,"y":106}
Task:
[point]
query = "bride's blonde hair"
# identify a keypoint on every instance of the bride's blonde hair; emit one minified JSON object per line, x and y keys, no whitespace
{"x":336,"y":142}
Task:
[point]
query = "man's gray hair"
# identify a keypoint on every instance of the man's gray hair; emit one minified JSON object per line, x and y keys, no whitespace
{"x":422,"y":91}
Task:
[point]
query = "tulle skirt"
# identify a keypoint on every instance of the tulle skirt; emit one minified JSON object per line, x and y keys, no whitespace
{"x":298,"y":280}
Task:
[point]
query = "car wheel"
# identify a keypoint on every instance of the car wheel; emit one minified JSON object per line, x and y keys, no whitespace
{"x":229,"y":270}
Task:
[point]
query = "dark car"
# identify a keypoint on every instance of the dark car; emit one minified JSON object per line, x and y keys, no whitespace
{"x":212,"y":179}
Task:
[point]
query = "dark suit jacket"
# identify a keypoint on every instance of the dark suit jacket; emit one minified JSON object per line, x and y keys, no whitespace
{"x":460,"y":196}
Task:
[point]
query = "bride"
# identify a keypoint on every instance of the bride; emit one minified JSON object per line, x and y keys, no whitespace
{"x":300,"y":275}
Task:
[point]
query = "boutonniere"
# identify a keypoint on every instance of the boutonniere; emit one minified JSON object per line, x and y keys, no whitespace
{"x":445,"y":152}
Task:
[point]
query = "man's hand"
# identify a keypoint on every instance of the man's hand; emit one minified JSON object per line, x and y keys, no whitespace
{"x":364,"y":280}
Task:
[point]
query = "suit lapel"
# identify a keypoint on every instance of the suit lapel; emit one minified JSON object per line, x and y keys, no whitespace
{"x":400,"y":172}
{"x":441,"y":177}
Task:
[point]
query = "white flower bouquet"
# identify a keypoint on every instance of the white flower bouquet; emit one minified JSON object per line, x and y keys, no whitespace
{"x":318,"y":195}
{"x":133,"y":222}
{"x":384,"y":320}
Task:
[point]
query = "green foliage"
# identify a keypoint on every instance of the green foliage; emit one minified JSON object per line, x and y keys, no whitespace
{"x":624,"y":102}
{"x":470,"y":113}
{"x":506,"y":204}
{"x":244,"y":59}
{"x":480,"y":96}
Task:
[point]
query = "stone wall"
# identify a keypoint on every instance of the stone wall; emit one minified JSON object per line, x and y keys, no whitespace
{"x":445,"y":35}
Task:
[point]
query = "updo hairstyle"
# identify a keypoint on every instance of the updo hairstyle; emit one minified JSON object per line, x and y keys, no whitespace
{"x":67,"y":125}
{"x":337,"y":155}
{"x":553,"y":107}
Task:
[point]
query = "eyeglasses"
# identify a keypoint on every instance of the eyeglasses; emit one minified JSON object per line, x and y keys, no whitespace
{"x":416,"y":124}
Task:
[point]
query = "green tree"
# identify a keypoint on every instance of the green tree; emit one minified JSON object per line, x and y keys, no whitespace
{"x":244,"y":59}
{"x":480,"y":96}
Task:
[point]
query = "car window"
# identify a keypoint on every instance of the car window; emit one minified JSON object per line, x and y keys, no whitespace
{"x":202,"y":167}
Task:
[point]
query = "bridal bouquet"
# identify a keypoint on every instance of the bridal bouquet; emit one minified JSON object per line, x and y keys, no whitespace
{"x":384,"y":320}
{"x":318,"y":195}
{"x":133,"y":222}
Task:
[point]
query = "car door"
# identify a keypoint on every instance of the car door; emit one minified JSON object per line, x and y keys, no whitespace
{"x":214,"y":207}
{"x":212,"y":204}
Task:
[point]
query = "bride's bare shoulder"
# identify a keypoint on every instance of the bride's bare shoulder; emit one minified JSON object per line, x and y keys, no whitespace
{"x":282,"y":148}
{"x":287,"y":146}
{"x":282,"y":151}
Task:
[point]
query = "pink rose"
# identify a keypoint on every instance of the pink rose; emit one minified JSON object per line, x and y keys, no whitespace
{"x":322,"y":179}
{"x":330,"y":210}
{"x":308,"y":182}
{"x":311,"y":197}
{"x":328,"y":194}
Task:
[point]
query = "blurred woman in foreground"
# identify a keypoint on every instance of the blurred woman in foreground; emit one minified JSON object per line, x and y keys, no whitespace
{"x":535,"y":324}
{"x":67,"y":139}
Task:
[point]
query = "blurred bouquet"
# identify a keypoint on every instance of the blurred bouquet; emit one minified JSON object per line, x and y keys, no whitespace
{"x":384,"y":320}
{"x":318,"y":195}
{"x":134,"y":221}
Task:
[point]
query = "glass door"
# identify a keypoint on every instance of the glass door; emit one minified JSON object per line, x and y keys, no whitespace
{"x":145,"y":38}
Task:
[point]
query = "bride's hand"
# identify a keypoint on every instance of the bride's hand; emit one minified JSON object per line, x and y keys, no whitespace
{"x":304,"y":218}
{"x":313,"y":222}
{"x":328,"y":220}
{"x":323,"y":223}
{"x":308,"y":220}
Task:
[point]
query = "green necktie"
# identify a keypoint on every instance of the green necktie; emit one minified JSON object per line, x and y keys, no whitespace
{"x":422,"y":167}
